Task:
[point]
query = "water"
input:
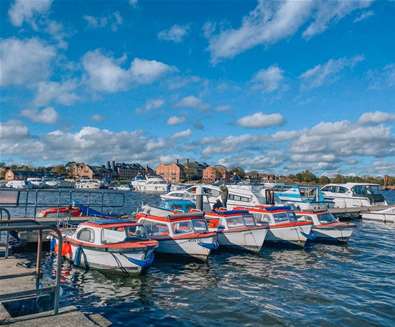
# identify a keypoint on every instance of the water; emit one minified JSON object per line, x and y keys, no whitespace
{"x":325,"y":285}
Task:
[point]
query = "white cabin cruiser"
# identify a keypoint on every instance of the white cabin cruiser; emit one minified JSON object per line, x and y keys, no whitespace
{"x":88,"y":184}
{"x":326,"y":228}
{"x":109,"y":244}
{"x":150,"y":184}
{"x":237,"y":229}
{"x":284,"y":228}
{"x":237,"y":196}
{"x":17,"y":184}
{"x":386,"y":215}
{"x":178,"y":233}
{"x":36,"y":182}
{"x":351,"y":195}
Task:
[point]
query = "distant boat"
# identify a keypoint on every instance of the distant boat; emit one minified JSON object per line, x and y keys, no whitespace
{"x":150,"y":184}
{"x":17,"y":184}
{"x":351,"y":195}
{"x":385,"y":215}
{"x":88,"y":184}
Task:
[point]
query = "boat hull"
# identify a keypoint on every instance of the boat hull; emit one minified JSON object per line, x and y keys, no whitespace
{"x":291,"y":235}
{"x":198,"y":248}
{"x":130,"y":261}
{"x":249,"y":240}
{"x":331,"y":234}
{"x":386,"y":215}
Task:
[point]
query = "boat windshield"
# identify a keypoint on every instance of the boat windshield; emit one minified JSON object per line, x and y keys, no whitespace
{"x":234,"y":222}
{"x":122,"y":234}
{"x":326,"y":218}
{"x":284,"y":216}
{"x":366,"y":189}
{"x":249,"y":220}
{"x":189,"y":226}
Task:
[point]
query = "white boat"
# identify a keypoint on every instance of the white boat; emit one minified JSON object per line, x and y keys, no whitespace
{"x":351,"y":195}
{"x":242,"y":195}
{"x":124,"y":188}
{"x":36,"y":182}
{"x":178,"y":233}
{"x":284,"y":228}
{"x":17,"y":184}
{"x":116,"y":245}
{"x":88,"y":184}
{"x":385,"y":215}
{"x":150,"y":184}
{"x":237,"y":229}
{"x":326,"y":228}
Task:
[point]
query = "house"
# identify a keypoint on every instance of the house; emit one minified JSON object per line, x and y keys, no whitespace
{"x":172,"y":173}
{"x":215,"y":173}
{"x":126,"y":170}
{"x":79,"y":170}
{"x":194,"y":170}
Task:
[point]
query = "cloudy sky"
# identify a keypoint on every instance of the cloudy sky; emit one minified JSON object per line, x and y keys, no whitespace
{"x":276,"y":86}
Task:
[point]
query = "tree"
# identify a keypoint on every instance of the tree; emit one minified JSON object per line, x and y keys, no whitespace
{"x":59,"y":170}
{"x":306,"y":176}
{"x":339,"y":179}
{"x":324,"y":180}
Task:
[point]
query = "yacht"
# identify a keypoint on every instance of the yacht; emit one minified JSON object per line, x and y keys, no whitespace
{"x":88,"y":184}
{"x":237,"y":195}
{"x":351,"y":195}
{"x":151,"y":184}
{"x":36,"y":182}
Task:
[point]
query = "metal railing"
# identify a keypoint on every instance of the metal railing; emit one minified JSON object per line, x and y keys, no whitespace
{"x":32,"y":225}
{"x":31,"y":200}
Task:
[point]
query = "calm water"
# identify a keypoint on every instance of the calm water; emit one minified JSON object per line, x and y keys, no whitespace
{"x":325,"y":285}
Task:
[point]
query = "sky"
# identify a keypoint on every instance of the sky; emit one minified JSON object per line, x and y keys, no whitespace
{"x":274,"y":86}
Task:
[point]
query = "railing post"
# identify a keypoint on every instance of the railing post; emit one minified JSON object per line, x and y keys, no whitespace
{"x":35,"y":204}
{"x":58,"y":271}
{"x":38,"y":259}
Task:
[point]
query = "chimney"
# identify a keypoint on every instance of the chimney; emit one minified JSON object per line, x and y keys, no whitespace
{"x":108,"y":165}
{"x":187,"y":161}
{"x":177,"y":161}
{"x":113,"y":165}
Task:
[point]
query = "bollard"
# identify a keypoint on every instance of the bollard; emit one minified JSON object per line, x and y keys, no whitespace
{"x":199,"y":198}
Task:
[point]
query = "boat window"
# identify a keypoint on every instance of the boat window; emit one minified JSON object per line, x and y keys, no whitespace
{"x":305,"y":218}
{"x":182,"y":227}
{"x":326,"y":218}
{"x":113,"y":235}
{"x":154,"y":228}
{"x":199,"y":225}
{"x":86,"y":235}
{"x":235,"y":222}
{"x":341,"y":189}
{"x":235,"y":197}
{"x":249,"y":220}
{"x":134,"y":232}
{"x":329,"y":188}
{"x":284,"y":216}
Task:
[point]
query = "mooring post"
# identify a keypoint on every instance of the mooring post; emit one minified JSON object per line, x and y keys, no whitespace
{"x":199,"y":197}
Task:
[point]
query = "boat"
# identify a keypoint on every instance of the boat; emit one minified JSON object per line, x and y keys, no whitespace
{"x":124,"y":188}
{"x":60,"y":212}
{"x":18,"y":184}
{"x":386,"y":215}
{"x":236,"y":229}
{"x":351,"y":195}
{"x":178,"y":205}
{"x":326,"y":228}
{"x":178,"y":233}
{"x":284,"y":228}
{"x":110,"y":245}
{"x":36,"y":182}
{"x":88,"y":184}
{"x":150,"y":184}
{"x":237,"y":196}
{"x":302,"y":197}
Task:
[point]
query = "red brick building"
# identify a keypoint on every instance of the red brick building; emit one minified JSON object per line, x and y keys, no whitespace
{"x":172,"y":173}
{"x":215,"y":173}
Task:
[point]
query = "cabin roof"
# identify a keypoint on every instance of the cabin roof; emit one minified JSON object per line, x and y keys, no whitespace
{"x":110,"y":223}
{"x":227,"y":213}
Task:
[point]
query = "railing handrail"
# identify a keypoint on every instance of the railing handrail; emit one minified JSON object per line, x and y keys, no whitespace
{"x":64,"y":197}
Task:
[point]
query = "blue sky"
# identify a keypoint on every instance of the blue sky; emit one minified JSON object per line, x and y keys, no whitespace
{"x":276,"y":86}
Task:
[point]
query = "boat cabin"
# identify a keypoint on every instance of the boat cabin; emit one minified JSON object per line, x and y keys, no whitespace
{"x":320,"y":217}
{"x":229,"y":219}
{"x":272,"y":215}
{"x":163,"y":223}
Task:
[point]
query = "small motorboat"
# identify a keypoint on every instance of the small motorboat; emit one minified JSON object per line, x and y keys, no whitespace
{"x":284,"y":228}
{"x":60,"y":212}
{"x":386,"y":215}
{"x":326,"y":228}
{"x":236,"y":229}
{"x":179,"y":205}
{"x":178,"y":233}
{"x":109,"y":244}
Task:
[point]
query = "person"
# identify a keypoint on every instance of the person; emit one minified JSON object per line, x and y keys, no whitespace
{"x":217,"y":205}
{"x":168,"y":187}
{"x":224,"y":195}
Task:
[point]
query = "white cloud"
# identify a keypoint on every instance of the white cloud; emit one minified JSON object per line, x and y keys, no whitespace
{"x":328,"y":72}
{"x":24,"y":62}
{"x":97,"y":117}
{"x":261,"y":120}
{"x":376,"y":117}
{"x":113,"y":21}
{"x":176,"y":33}
{"x":269,"y":79}
{"x":182,"y":134}
{"x":223,"y":108}
{"x":45,"y":116}
{"x":364,"y":15}
{"x":151,"y":104}
{"x":331,"y":11}
{"x":272,"y":21}
{"x":192,"y":102}
{"x":382,"y":78}
{"x":59,"y":92}
{"x":13,"y":130}
{"x":27,"y":11}
{"x":175,"y":120}
{"x":106,"y":73}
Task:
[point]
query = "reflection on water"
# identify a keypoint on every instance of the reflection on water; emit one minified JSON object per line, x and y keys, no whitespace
{"x":324,"y":285}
